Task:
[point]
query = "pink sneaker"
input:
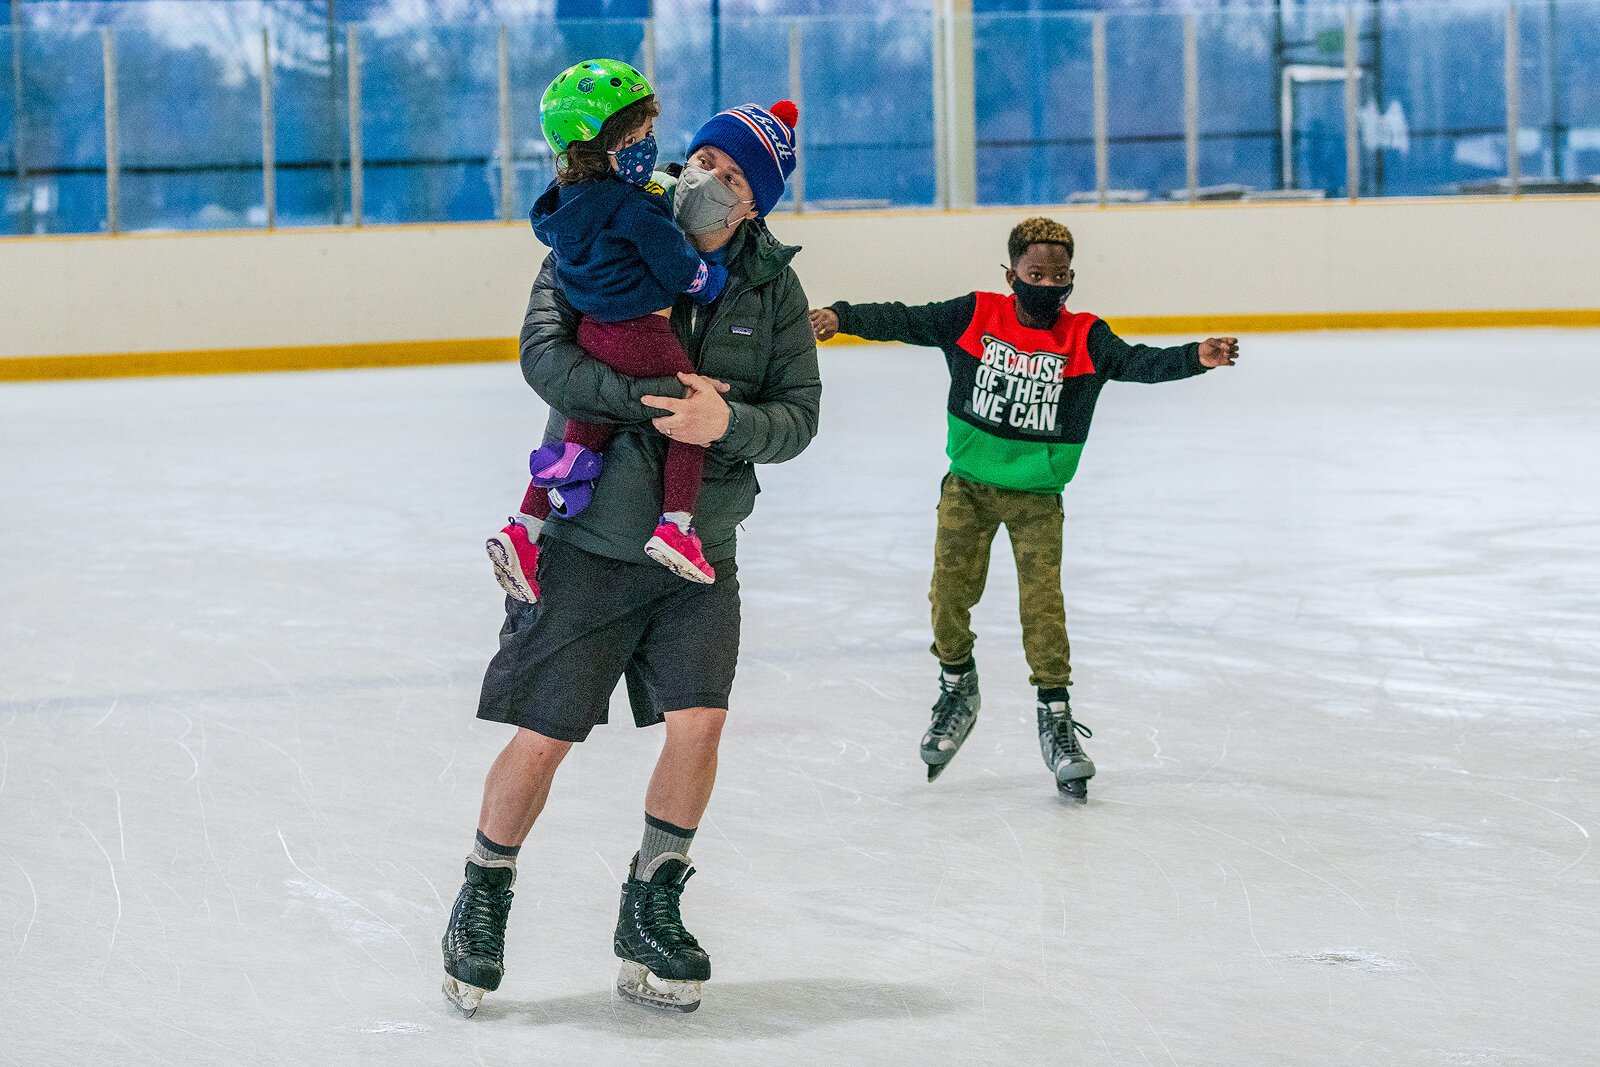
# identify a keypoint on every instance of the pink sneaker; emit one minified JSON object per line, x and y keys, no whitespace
{"x":516,"y":563}
{"x":680,"y":553}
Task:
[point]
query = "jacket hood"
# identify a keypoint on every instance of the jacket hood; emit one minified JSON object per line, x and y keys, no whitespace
{"x":557,"y":214}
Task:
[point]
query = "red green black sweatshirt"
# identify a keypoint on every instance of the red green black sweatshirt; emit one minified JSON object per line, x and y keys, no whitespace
{"x":1020,"y":399}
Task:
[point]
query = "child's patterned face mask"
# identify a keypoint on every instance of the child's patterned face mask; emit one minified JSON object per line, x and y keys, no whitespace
{"x":637,"y":162}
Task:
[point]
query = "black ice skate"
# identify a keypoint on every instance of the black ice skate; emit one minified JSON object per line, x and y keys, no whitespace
{"x":474,"y":942}
{"x":954,"y":714}
{"x":1058,"y":743}
{"x":662,"y":964}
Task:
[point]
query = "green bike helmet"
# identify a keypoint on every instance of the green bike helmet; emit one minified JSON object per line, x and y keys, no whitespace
{"x":583,"y":96}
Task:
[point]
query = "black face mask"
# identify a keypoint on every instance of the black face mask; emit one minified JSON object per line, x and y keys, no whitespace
{"x":1041,"y":302}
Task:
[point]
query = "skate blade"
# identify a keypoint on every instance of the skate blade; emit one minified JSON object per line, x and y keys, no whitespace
{"x":1076,"y":790}
{"x":507,"y":573}
{"x":636,"y":983}
{"x":935,"y":770}
{"x":675,"y":562}
{"x":465,"y":997}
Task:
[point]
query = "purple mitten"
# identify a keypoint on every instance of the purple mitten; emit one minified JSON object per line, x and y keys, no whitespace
{"x":570,"y":499}
{"x":562,"y":464}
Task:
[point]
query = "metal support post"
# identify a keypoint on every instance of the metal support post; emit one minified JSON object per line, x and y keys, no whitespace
{"x":797,"y":181}
{"x":19,"y":155}
{"x":1552,"y":53}
{"x":508,"y":174}
{"x":108,"y":51}
{"x":269,"y":134}
{"x":941,"y":132}
{"x":1191,"y":104}
{"x":649,"y":46}
{"x":335,"y":157}
{"x":1513,"y":102}
{"x":353,"y":59}
{"x":1352,"y":104}
{"x":961,"y":104}
{"x":1102,"y":155}
{"x":716,"y":56}
{"x":954,"y":119}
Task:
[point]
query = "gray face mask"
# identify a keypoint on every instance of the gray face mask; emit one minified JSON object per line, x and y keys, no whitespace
{"x":703,"y":203}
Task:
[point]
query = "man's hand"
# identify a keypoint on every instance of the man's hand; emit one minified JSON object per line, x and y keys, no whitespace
{"x":699,"y":418}
{"x":824,"y":322}
{"x":1215,"y":351}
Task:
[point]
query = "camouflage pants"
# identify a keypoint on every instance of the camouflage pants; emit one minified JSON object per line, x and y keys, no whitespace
{"x":969,"y":516}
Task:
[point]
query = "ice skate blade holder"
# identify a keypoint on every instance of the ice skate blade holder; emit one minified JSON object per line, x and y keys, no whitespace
{"x":1072,"y":781}
{"x":636,"y":983}
{"x":466,"y":998}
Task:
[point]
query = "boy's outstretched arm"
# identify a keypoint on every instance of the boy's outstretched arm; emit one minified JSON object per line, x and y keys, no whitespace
{"x":1122,"y":362}
{"x":932,"y":325}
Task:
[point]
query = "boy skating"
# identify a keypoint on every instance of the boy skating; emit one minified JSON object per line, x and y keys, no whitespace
{"x":1024,"y":377}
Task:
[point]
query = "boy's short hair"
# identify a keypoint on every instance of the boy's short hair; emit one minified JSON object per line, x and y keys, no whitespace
{"x":585,"y":161}
{"x":1037,"y":231}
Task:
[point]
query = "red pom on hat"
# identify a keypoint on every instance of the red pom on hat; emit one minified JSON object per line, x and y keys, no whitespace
{"x":785,"y":112}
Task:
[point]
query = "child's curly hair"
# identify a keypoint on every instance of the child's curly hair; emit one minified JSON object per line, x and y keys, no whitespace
{"x":584,"y":161}
{"x":1037,"y":231}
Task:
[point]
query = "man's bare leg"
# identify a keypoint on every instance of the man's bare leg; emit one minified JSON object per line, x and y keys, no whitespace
{"x":662,"y":965}
{"x":686,"y":770}
{"x":518,"y":784}
{"x":514,"y":793}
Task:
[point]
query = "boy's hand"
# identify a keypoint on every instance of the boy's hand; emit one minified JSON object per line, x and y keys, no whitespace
{"x":824,"y":322}
{"x":1214,"y":351}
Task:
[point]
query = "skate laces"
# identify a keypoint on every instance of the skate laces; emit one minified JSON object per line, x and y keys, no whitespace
{"x":1063,"y":727}
{"x":482,"y":921}
{"x":660,"y":911}
{"x":949,"y":707}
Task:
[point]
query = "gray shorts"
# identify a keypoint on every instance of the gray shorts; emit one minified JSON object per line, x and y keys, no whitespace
{"x":599,"y":621}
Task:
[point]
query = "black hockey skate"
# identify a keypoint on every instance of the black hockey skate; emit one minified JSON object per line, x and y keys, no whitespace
{"x":1058,"y":743}
{"x":662,"y":964}
{"x":954,"y":714}
{"x":474,"y":942}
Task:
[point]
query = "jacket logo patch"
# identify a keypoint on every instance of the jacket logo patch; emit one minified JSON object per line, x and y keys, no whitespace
{"x":743,"y":331}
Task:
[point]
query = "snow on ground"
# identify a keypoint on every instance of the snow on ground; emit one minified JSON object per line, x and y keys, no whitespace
{"x":1335,"y":629}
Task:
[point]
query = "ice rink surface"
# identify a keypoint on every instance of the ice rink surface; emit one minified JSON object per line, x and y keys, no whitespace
{"x":1335,"y":621}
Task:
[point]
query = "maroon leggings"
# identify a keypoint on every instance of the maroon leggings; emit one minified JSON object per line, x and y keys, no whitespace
{"x":644,"y":347}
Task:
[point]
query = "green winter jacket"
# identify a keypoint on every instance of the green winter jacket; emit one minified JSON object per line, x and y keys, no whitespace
{"x":755,"y":337}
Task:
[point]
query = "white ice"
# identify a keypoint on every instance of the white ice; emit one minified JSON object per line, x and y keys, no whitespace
{"x":1334,"y":615}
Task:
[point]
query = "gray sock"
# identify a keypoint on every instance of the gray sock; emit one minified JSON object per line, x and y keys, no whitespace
{"x":486,"y":853}
{"x":661,"y":837}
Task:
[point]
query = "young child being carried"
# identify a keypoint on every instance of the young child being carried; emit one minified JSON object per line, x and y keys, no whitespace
{"x":622,"y":262}
{"x":1024,"y":376}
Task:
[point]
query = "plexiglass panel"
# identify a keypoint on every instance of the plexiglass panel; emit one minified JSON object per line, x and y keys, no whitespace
{"x":1035,"y":108}
{"x":190,"y":160}
{"x":59,"y":132}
